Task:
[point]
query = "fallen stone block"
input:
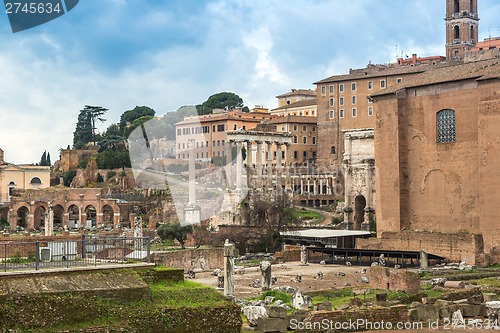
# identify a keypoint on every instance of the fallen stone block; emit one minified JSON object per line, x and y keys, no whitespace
{"x":454,"y":284}
{"x":271,"y":324}
{"x":490,"y":297}
{"x":276,"y":311}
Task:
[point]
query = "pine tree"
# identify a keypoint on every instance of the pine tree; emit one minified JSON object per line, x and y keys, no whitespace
{"x":48,"y":160}
{"x":43,"y":160}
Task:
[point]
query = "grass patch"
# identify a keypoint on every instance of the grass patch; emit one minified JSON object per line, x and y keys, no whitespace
{"x":304,"y":214}
{"x":185,"y":294}
{"x":492,"y":282}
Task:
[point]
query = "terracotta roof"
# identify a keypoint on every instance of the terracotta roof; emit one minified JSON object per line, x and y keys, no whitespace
{"x":374,"y":71}
{"x":304,"y":102}
{"x":479,"y":70}
{"x":293,"y":119}
{"x":295,"y":92}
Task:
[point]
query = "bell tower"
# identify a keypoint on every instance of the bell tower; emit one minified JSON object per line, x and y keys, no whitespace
{"x":462,"y":23}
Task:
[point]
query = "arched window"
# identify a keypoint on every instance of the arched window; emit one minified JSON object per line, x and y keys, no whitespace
{"x":456,"y":32}
{"x":35,"y":181}
{"x":456,"y":6}
{"x":472,"y":33}
{"x":445,"y":126}
{"x":333,"y":150}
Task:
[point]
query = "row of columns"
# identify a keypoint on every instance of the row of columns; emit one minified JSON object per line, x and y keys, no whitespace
{"x":321,"y":186}
{"x":259,"y":168}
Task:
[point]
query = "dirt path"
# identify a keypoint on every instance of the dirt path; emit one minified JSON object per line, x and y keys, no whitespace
{"x":286,"y":275}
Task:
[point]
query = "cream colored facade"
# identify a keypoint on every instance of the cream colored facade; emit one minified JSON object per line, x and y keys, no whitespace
{"x":303,"y":108}
{"x":295,"y":95}
{"x":209,"y":132}
{"x":21,"y":177}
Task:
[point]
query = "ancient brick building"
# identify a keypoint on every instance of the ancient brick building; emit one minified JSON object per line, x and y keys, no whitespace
{"x":437,"y":153}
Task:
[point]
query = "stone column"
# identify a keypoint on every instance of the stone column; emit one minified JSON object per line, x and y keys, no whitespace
{"x":239,"y":165}
{"x":49,"y":222}
{"x":269,"y":164}
{"x":321,"y":186}
{"x":229,"y":164}
{"x":249,"y":161}
{"x":265,"y":268}
{"x":259,"y":165}
{"x":423,"y":260}
{"x":301,"y":185}
{"x":288,"y":163}
{"x":228,"y":268}
{"x":279,"y":166}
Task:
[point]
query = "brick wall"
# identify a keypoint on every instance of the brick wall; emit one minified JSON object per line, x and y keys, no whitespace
{"x":205,"y":259}
{"x":394,"y":314}
{"x":394,"y":279}
{"x":454,"y":247}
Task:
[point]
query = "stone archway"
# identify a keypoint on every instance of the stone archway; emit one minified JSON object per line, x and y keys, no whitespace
{"x":91,"y":216}
{"x":58,"y":216}
{"x":74,"y":216}
{"x":359,"y":209}
{"x":39,"y":217}
{"x":22,"y":217}
{"x":108,"y":215}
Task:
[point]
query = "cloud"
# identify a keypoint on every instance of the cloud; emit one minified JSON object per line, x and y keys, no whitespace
{"x":166,"y":54}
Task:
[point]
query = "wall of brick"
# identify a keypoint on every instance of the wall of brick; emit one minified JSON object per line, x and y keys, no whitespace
{"x":455,"y":247}
{"x":394,"y":314}
{"x":204,"y":259}
{"x":394,"y":279}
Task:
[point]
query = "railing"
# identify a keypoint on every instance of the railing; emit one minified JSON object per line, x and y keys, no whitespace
{"x":65,"y":253}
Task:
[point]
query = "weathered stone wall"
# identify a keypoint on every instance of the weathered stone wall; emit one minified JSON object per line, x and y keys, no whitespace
{"x":204,"y":259}
{"x":455,"y":247}
{"x":394,"y":279}
{"x":394,"y":314}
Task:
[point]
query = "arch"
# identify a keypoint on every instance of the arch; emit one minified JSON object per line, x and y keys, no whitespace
{"x":333,"y":150}
{"x":359,"y":209}
{"x":445,"y":126}
{"x":35,"y":181}
{"x":39,"y":217}
{"x":74,"y":216}
{"x":456,"y":32}
{"x":107,"y":215}
{"x":91,"y":216}
{"x":22,"y":217}
{"x":58,"y":216}
{"x":11,"y":186}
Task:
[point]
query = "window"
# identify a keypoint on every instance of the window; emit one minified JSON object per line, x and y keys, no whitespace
{"x":341,"y":87}
{"x":331,"y":89}
{"x":218,"y":143}
{"x":323,"y":90}
{"x":398,"y":80}
{"x":213,"y":143}
{"x":333,"y":150}
{"x":314,"y":129}
{"x":354,"y":112}
{"x":178,"y":146}
{"x":197,"y":144}
{"x":314,"y":140}
{"x":332,"y":114}
{"x":206,"y":143}
{"x":222,"y":143}
{"x":244,"y":127}
{"x":456,"y":32}
{"x":220,"y":128}
{"x":179,"y":131}
{"x":382,"y":83}
{"x":456,"y":6}
{"x":295,"y":127}
{"x":341,"y":113}
{"x":304,"y":139}
{"x":353,"y":86}
{"x":445,"y":126}
{"x":341,"y":101}
{"x":295,"y":139}
{"x":304,"y":128}
{"x":234,"y":127}
{"x":304,"y":154}
{"x":370,"y":111}
{"x":331,"y":102}
{"x":370,"y":85}
{"x":184,"y":145}
{"x":353,"y":100}
{"x":295,"y":154}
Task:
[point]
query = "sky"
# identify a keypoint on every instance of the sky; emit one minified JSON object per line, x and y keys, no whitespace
{"x":169,"y":53}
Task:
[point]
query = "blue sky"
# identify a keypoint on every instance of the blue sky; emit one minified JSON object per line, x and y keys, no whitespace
{"x":169,"y":53}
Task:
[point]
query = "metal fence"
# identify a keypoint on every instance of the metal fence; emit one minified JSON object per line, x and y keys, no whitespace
{"x":65,"y":253}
